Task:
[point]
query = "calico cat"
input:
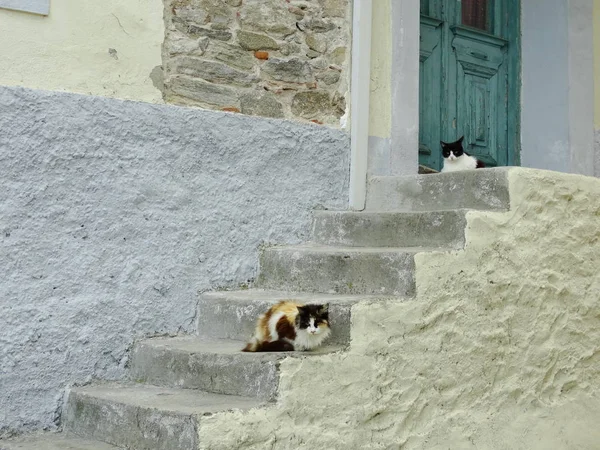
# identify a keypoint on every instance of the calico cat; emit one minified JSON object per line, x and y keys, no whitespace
{"x":455,"y":158}
{"x":289,"y":326}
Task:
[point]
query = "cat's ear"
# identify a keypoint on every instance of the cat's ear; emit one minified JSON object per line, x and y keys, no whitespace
{"x":461,"y":139}
{"x":324,"y":309}
{"x":443,"y":144}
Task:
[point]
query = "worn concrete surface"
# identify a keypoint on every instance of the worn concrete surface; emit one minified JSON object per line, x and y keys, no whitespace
{"x":53,"y":441}
{"x":212,"y":365}
{"x":500,"y":349}
{"x":145,"y":417}
{"x":233,"y":314}
{"x":113,"y":215}
{"x":342,"y":270}
{"x":480,"y":189}
{"x":409,"y":229}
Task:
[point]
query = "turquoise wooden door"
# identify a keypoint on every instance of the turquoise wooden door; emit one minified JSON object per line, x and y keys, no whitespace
{"x":469,"y":79}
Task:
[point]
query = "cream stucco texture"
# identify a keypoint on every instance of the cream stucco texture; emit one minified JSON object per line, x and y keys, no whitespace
{"x":500,"y":349}
{"x":107,"y":48}
{"x":380,"y":106}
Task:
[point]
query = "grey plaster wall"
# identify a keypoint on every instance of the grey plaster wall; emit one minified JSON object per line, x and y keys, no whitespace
{"x":113,"y":215}
{"x":545,"y":80}
{"x":557,"y":73}
{"x":581,"y":86}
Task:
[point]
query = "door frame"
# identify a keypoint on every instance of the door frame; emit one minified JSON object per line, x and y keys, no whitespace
{"x":506,"y":26}
{"x":514,"y":82}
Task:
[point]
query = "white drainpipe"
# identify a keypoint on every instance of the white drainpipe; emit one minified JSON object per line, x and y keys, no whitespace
{"x":360,"y":85}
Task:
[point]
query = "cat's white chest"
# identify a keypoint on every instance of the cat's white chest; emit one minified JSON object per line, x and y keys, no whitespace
{"x":463,"y":162}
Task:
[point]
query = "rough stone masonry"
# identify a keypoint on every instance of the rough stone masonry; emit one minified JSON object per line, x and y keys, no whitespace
{"x":273,"y":58}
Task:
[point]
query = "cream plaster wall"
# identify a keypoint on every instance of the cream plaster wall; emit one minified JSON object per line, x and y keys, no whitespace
{"x":500,"y":349}
{"x":380,"y":108}
{"x":70,"y":49}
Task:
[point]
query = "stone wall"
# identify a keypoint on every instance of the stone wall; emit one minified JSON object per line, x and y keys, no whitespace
{"x":274,"y":58}
{"x":113,"y":215}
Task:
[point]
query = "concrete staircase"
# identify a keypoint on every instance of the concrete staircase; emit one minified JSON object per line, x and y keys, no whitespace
{"x":175,"y":383}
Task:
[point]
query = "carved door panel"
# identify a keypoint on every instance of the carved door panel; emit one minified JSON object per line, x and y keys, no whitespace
{"x":469,"y":79}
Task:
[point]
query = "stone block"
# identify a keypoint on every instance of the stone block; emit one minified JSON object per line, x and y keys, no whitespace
{"x":144,"y":417}
{"x":292,"y":70}
{"x":335,"y":8}
{"x":215,"y":72}
{"x":289,"y":48}
{"x":342,"y":270}
{"x":231,"y":55}
{"x":338,"y":55}
{"x":485,"y":189}
{"x":196,"y":31}
{"x":256,"y":41}
{"x":202,"y":91}
{"x":311,"y":103}
{"x":443,"y":229}
{"x":272,"y":16}
{"x":316,"y":25}
{"x":330,"y":77}
{"x":261,"y":104}
{"x":315,"y":43}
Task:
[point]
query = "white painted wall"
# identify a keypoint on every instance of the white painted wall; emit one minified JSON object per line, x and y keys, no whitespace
{"x":70,"y":50}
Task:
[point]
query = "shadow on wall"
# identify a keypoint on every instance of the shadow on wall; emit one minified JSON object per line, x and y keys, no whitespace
{"x":113,"y":215}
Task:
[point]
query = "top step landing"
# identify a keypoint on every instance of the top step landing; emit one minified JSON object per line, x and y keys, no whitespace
{"x":484,"y":189}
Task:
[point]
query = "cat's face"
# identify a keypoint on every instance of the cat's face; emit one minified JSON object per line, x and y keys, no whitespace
{"x":314,"y":319}
{"x":452,"y":150}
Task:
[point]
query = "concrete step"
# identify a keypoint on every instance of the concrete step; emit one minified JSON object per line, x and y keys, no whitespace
{"x":144,"y":417}
{"x":341,"y":270}
{"x":390,"y":229}
{"x":212,"y":365}
{"x":233,"y":314}
{"x":53,"y":441}
{"x":485,"y":189}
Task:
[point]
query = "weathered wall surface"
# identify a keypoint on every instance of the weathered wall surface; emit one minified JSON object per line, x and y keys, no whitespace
{"x":110,"y":48}
{"x":545,"y":106}
{"x":113,"y":215}
{"x":557,"y":115}
{"x":261,"y":57}
{"x":394,"y":103}
{"x":500,"y":349}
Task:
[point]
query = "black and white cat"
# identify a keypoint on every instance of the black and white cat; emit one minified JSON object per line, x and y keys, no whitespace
{"x":455,"y":158}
